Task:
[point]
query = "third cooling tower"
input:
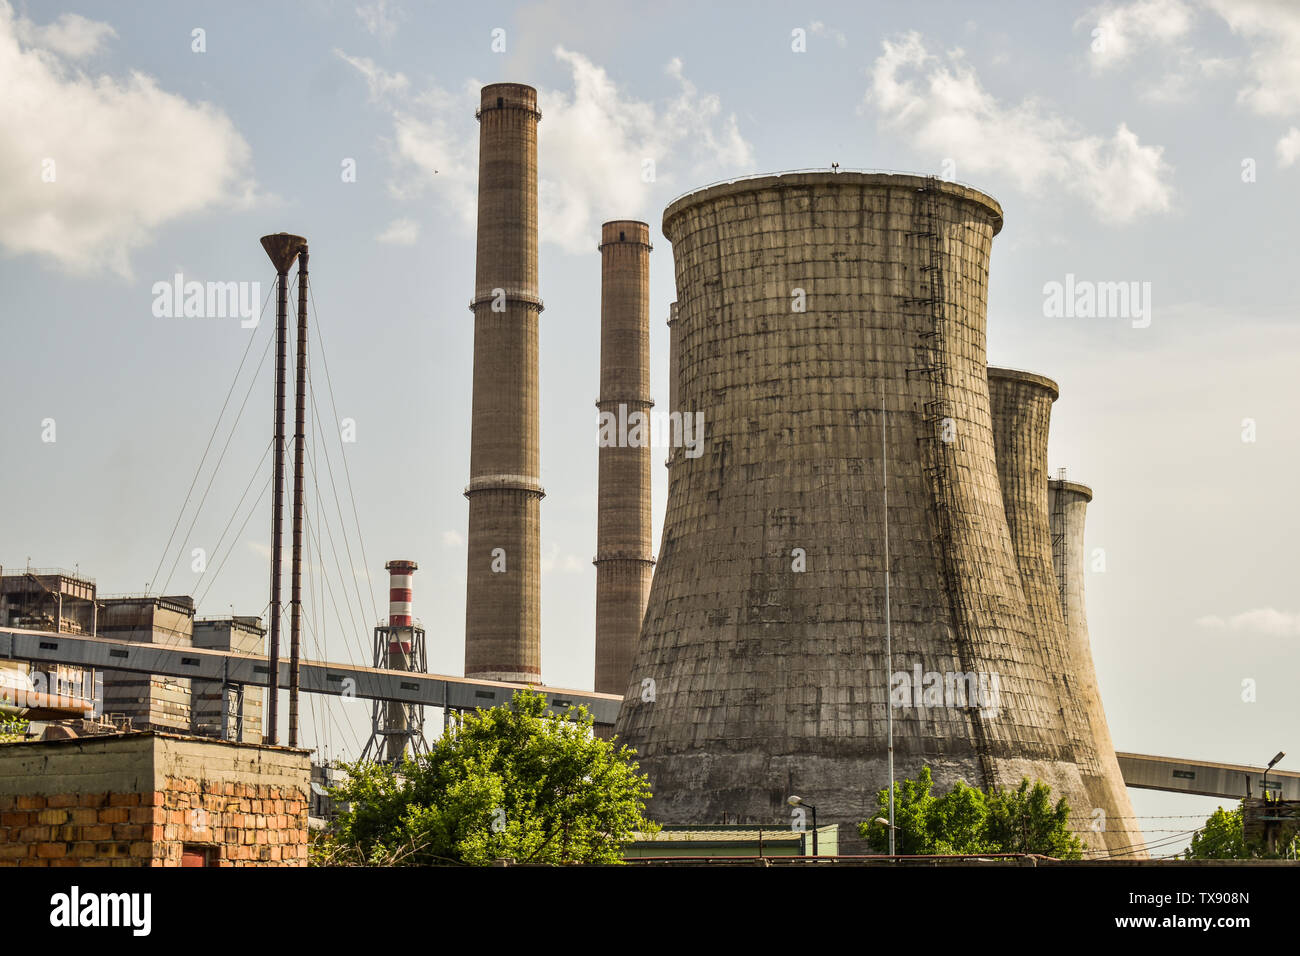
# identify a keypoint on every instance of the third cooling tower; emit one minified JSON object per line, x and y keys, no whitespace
{"x":1021,"y":404}
{"x":803,"y":301}
{"x":503,"y":588}
{"x":1067,"y":505}
{"x":623,"y":560}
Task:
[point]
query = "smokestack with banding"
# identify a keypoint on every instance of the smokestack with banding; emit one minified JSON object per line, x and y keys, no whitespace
{"x":623,"y":560}
{"x":503,"y":586}
{"x":399,"y":592}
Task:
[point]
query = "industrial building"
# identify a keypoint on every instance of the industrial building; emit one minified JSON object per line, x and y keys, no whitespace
{"x":872,"y":502}
{"x":228,"y":711}
{"x":150,"y":701}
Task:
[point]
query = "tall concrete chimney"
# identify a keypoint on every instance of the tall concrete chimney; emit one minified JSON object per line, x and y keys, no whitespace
{"x":503,"y":588}
{"x":623,"y":560}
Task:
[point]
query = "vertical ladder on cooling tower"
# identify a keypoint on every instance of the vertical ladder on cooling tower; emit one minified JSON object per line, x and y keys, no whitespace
{"x":936,"y":453}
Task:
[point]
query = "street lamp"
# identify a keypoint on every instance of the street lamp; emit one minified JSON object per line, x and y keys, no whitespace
{"x":1271,"y":764}
{"x":799,"y":802}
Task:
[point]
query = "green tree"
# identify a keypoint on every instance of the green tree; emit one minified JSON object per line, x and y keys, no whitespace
{"x":12,"y":729}
{"x":506,"y":782}
{"x":1025,"y":820}
{"x":967,"y":820}
{"x":1222,"y":838}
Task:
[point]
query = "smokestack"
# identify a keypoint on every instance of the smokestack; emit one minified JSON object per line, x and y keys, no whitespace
{"x":503,"y":588}
{"x":623,"y":561}
{"x":400,"y":593}
{"x":400,"y":624}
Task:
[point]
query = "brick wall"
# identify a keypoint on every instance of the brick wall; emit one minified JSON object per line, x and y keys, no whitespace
{"x":143,"y":799}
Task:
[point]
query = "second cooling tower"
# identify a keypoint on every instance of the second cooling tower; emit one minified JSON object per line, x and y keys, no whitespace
{"x":804,"y":300}
{"x":1021,"y":404}
{"x":503,"y":587}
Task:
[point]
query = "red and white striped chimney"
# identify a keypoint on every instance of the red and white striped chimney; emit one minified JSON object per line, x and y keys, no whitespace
{"x":399,"y":601}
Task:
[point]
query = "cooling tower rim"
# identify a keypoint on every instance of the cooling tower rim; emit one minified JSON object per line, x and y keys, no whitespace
{"x":1073,"y":487}
{"x":1022,"y":375}
{"x":819,"y":177}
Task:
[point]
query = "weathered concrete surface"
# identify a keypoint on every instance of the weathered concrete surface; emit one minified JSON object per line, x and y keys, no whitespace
{"x":1067,"y":514}
{"x":1021,"y":404}
{"x":754,"y":680}
{"x":503,"y":607}
{"x":624,"y":562}
{"x":152,"y":701}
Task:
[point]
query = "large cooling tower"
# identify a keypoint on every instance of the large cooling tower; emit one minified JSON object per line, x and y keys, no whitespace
{"x":1067,"y":505}
{"x":1021,"y":404}
{"x":761,"y":671}
{"x":503,"y":588}
{"x":623,"y":527}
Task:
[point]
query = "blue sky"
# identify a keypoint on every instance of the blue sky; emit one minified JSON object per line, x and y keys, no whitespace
{"x":1152,"y":141}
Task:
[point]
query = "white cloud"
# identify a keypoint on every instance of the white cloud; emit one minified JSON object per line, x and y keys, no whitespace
{"x":400,"y":232}
{"x":1288,"y":148}
{"x":379,"y":18}
{"x":1119,"y":31}
{"x":552,"y":560}
{"x":380,"y":82}
{"x":71,"y":35}
{"x":452,"y":539}
{"x":594,"y":141}
{"x":943,"y":108}
{"x":1272,"y":28}
{"x":1265,"y":620}
{"x":126,"y":156}
{"x":819,"y":29}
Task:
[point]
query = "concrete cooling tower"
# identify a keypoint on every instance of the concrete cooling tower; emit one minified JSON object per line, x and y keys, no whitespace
{"x":1021,"y":404}
{"x":803,"y":302}
{"x":1067,"y":505}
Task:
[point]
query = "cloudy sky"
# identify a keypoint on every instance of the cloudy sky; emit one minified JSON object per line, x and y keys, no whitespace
{"x":1155,"y":141}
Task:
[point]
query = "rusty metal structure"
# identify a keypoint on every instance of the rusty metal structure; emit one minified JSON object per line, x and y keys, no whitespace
{"x":503,"y":587}
{"x":623,"y":560}
{"x":282,"y":249}
{"x":397,"y":727}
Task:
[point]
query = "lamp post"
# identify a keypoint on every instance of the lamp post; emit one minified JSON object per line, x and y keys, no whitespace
{"x":799,"y":802}
{"x":1271,"y":764}
{"x":889,"y":649}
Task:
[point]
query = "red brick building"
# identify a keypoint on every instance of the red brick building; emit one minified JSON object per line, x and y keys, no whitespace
{"x":152,"y":799}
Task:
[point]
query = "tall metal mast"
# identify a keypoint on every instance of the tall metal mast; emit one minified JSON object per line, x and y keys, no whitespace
{"x":299,"y":450}
{"x":282,"y":248}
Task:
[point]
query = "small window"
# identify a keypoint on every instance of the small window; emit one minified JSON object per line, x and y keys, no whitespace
{"x":621,"y":237}
{"x":501,"y":101}
{"x":193,"y":854}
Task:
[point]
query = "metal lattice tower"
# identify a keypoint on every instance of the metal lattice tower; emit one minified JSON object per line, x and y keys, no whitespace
{"x":397,"y":729}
